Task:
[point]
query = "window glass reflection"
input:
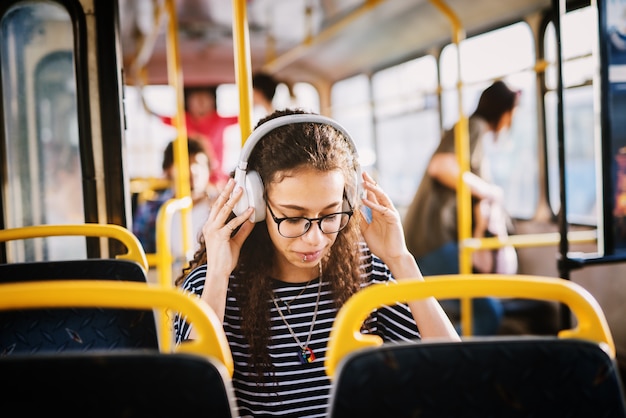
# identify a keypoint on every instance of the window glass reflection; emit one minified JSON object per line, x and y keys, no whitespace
{"x":41,"y":129}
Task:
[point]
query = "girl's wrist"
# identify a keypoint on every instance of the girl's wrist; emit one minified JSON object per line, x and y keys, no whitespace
{"x":404,"y":267}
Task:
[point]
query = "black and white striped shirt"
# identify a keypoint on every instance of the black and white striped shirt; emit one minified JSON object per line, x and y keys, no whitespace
{"x":296,"y":389}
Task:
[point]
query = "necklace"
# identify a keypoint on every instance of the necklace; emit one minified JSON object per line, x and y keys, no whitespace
{"x":288,"y":304}
{"x":305,"y":354}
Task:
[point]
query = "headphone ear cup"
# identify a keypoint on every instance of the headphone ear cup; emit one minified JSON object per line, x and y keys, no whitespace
{"x":359,"y":193}
{"x":252,"y":197}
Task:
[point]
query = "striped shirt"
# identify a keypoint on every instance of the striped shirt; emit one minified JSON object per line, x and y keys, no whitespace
{"x":296,"y":389}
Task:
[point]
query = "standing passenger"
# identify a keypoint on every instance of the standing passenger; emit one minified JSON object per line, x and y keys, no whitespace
{"x":207,"y":125}
{"x":431,"y":220}
{"x":277,"y":284}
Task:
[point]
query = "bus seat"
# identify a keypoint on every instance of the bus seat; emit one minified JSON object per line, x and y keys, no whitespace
{"x":573,"y":373}
{"x":91,"y":268}
{"x":124,"y":236}
{"x":193,"y":379}
{"x":70,"y":329}
{"x":116,"y":384}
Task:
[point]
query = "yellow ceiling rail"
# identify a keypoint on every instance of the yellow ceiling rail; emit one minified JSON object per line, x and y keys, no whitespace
{"x":293,"y":54}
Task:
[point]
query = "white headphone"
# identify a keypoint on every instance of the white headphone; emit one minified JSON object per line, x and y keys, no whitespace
{"x":251,"y":182}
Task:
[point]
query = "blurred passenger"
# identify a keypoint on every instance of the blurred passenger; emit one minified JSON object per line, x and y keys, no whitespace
{"x":202,"y":194}
{"x":430,"y":223}
{"x":263,"y":92}
{"x":206,"y":124}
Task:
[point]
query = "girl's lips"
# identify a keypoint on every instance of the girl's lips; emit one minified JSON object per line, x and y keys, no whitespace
{"x":312,"y":256}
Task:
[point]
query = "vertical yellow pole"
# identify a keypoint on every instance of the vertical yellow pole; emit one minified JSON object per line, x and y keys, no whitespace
{"x":243,"y":66}
{"x":181,"y":160}
{"x":461,"y":143}
{"x":175,"y":79}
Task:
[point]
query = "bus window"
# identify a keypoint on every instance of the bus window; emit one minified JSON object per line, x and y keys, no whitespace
{"x":578,"y":109}
{"x":407,"y":125}
{"x":350,"y":100}
{"x":304,"y":95}
{"x":41,"y":129}
{"x":509,"y":54}
{"x":146,"y":135}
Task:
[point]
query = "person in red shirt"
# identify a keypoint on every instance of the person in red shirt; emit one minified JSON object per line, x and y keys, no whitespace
{"x":204,"y":123}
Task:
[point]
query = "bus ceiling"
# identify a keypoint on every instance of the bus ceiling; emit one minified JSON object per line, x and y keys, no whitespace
{"x":296,"y":40}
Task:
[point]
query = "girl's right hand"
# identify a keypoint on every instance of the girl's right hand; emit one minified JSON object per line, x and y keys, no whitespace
{"x":224,"y":234}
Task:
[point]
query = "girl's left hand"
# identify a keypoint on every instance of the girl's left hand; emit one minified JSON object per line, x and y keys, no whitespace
{"x":384,"y":235}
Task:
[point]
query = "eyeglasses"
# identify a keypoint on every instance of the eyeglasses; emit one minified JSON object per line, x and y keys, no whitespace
{"x":299,"y":225}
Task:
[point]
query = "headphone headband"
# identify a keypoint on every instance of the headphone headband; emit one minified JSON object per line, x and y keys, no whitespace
{"x":251,"y":182}
{"x":272,"y":124}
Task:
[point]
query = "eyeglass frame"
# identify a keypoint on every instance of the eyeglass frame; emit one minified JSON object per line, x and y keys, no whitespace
{"x":278,"y":221}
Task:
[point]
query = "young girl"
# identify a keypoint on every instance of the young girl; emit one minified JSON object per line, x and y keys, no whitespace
{"x":277,"y":284}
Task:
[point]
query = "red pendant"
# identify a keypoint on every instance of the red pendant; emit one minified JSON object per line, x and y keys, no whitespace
{"x":306,"y":355}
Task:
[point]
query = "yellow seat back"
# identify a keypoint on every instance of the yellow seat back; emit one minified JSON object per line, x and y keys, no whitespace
{"x":211,"y":340}
{"x":346,"y":337}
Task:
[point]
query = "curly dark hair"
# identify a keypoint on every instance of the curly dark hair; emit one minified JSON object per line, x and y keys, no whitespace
{"x":285,"y":149}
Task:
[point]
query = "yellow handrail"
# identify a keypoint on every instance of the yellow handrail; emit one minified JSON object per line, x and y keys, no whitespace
{"x":530,"y":240}
{"x":146,"y":188}
{"x":346,"y":335}
{"x":211,"y":340}
{"x":164,"y":258}
{"x":461,"y":146}
{"x":126,"y":237}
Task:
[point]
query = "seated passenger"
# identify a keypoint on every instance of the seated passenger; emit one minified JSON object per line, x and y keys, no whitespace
{"x":277,"y":284}
{"x":202,"y":193}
